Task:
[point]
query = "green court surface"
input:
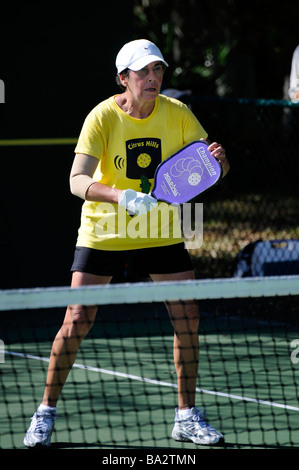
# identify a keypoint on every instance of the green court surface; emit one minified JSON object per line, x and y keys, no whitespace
{"x":122,"y":392}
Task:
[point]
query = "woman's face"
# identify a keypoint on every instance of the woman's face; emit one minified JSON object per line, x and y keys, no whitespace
{"x":145,"y":84}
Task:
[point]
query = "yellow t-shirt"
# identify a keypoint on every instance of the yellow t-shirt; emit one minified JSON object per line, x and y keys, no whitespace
{"x":129,"y":151}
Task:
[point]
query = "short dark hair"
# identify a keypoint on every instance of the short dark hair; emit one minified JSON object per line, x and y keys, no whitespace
{"x":125,"y":73}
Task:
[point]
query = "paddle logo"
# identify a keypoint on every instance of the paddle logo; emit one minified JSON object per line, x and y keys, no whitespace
{"x":191,"y":167}
{"x":171,"y":184}
{"x":206,"y":161}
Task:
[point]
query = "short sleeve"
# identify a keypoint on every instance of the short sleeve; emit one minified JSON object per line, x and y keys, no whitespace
{"x":90,"y":140}
{"x":193,"y":130}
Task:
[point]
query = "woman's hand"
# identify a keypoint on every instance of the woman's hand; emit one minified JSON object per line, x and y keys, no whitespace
{"x":218,"y":152}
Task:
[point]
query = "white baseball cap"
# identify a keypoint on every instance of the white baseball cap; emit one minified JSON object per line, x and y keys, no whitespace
{"x":137,"y":54}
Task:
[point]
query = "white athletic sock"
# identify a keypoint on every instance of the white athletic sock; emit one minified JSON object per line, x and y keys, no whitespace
{"x":44,"y":408}
{"x":183,"y":414}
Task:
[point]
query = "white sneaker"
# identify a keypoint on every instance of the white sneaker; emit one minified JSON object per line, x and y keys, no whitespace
{"x":196,"y":429}
{"x":41,"y":428}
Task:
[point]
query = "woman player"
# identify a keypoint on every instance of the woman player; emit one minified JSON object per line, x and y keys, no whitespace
{"x":122,"y":141}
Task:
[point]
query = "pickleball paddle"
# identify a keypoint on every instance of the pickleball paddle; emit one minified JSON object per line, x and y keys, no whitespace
{"x":186,"y":174}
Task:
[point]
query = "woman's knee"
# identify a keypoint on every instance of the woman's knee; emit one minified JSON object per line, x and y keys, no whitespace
{"x":78,"y":321}
{"x":184,"y":316}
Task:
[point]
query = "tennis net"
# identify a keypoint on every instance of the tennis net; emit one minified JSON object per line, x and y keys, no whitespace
{"x":122,"y":389}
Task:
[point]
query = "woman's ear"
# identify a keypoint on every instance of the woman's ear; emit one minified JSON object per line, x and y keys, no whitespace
{"x":123,"y":78}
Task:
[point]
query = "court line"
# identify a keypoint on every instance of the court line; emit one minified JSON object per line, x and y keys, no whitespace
{"x":159,"y":382}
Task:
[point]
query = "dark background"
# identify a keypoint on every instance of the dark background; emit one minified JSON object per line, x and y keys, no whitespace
{"x":57,"y":63}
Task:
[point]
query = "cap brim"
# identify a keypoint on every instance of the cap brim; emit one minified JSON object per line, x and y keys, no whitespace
{"x":144,"y":61}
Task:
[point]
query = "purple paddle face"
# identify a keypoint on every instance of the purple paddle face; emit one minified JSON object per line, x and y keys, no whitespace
{"x":186,"y":174}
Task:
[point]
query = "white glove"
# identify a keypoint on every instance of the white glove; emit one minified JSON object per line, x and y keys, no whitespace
{"x":137,"y":203}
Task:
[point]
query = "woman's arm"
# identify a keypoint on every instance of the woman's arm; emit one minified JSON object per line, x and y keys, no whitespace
{"x":84,"y":186}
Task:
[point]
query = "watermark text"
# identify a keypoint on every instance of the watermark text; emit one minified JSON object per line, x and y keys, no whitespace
{"x":2,"y":352}
{"x":295,"y":353}
{"x":164,"y":221}
{"x":2,"y":91}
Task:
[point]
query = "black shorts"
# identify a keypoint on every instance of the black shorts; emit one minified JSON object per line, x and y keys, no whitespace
{"x":134,"y":263}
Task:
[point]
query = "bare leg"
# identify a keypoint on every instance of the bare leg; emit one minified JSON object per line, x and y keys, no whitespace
{"x":185,"y":320}
{"x":77,"y":323}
